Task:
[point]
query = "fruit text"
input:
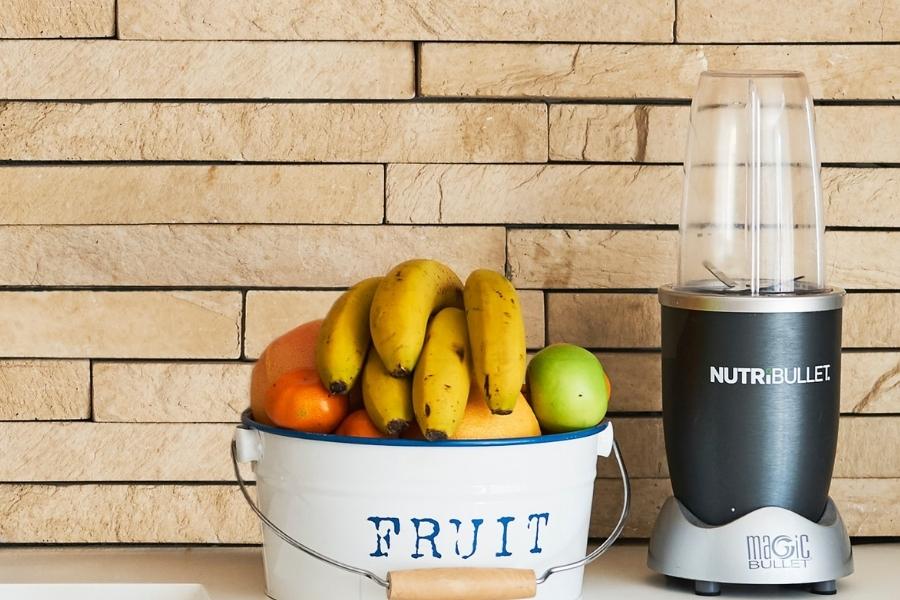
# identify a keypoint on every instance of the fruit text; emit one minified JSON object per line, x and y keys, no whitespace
{"x":433,"y":539}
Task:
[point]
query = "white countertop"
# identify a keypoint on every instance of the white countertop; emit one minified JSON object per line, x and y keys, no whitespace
{"x":237,"y":573}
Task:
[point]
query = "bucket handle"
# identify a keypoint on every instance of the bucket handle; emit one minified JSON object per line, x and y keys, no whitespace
{"x":451,"y":583}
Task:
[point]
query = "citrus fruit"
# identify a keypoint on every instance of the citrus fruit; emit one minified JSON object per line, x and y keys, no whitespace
{"x":298,"y":400}
{"x":358,"y":424}
{"x":479,"y":423}
{"x":288,"y":352}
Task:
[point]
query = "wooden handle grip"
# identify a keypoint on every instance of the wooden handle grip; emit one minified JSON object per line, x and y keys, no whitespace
{"x":462,"y":584}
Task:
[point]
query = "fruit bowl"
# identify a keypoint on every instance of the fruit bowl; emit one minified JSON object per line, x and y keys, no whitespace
{"x":360,"y":508}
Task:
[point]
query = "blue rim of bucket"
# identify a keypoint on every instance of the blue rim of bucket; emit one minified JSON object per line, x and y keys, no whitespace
{"x":248,"y":421}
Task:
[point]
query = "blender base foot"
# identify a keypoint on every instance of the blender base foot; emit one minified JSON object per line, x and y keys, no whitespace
{"x":824,"y":588}
{"x":707,"y":588}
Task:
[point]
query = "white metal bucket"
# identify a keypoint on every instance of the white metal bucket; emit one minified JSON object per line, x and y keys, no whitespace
{"x":395,"y":505}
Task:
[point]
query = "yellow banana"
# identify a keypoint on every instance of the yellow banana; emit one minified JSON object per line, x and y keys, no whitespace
{"x":441,"y":380}
{"x":404,"y":300}
{"x":388,"y":400}
{"x":497,"y":337}
{"x":344,"y":337}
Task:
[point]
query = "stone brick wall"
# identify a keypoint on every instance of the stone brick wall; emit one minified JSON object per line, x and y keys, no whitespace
{"x":181,"y":180}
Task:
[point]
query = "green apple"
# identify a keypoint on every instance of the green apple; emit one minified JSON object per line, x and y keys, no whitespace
{"x":567,"y":388}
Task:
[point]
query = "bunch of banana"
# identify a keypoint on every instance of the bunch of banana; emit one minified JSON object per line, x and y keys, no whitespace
{"x":344,"y":337}
{"x":417,"y":352}
{"x":407,"y":296}
{"x":497,"y":337}
{"x":440,"y":387}
{"x":387,"y":399}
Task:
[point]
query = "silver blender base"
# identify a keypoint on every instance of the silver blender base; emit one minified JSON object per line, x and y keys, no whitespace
{"x":767,"y":546}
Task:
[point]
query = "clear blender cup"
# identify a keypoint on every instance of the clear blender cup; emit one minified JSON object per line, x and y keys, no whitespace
{"x":752,"y":219}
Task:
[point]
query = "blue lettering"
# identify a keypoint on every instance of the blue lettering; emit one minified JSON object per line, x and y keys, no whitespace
{"x":435,"y":530}
{"x":386,"y":537}
{"x":537,"y":528}
{"x":504,"y":522}
{"x":476,"y":523}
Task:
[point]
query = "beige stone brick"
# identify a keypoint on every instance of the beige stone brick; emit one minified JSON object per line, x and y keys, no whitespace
{"x":647,"y":497}
{"x":636,"y":380}
{"x":858,"y":134}
{"x":646,"y":71}
{"x":646,"y":133}
{"x":870,"y":382}
{"x":219,"y":255}
{"x":861,"y":197}
{"x":788,"y":21}
{"x":292,"y":132}
{"x":135,"y":194}
{"x":521,"y":20}
{"x":533,"y":315}
{"x":271,"y":313}
{"x":44,"y":390}
{"x":863,"y":259}
{"x":565,"y":258}
{"x":643,"y":448}
{"x":870,"y":321}
{"x":869,"y":507}
{"x":867,"y":447}
{"x":216,"y":514}
{"x":58,"y":18}
{"x":81,"y":451}
{"x":93,"y":451}
{"x":119,"y":514}
{"x":618,"y":132}
{"x":170,"y":392}
{"x":601,"y":194}
{"x":620,"y":320}
{"x":533,"y":194}
{"x":590,"y":258}
{"x":121,"y":324}
{"x":611,"y":320}
{"x":75,"y":70}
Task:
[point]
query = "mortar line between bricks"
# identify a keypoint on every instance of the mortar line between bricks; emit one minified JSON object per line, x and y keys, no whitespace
{"x":115,"y":34}
{"x":384,"y":202}
{"x":586,"y":226}
{"x":520,"y":286}
{"x":873,"y":165}
{"x":449,"y":100}
{"x":91,"y":415}
{"x":417,"y":70}
{"x":242,"y":331}
{"x":675,"y":22}
{"x":546,"y":297}
{"x":250,"y":360}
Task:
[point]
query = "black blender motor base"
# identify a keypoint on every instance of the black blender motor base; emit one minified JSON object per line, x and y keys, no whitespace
{"x":713,"y":588}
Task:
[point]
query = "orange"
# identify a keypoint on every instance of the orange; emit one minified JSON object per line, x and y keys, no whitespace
{"x":293,"y":350}
{"x":479,"y":423}
{"x":358,"y":424}
{"x":298,"y":400}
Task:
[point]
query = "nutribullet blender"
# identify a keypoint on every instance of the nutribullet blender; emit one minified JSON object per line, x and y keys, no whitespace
{"x":751,"y":349}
